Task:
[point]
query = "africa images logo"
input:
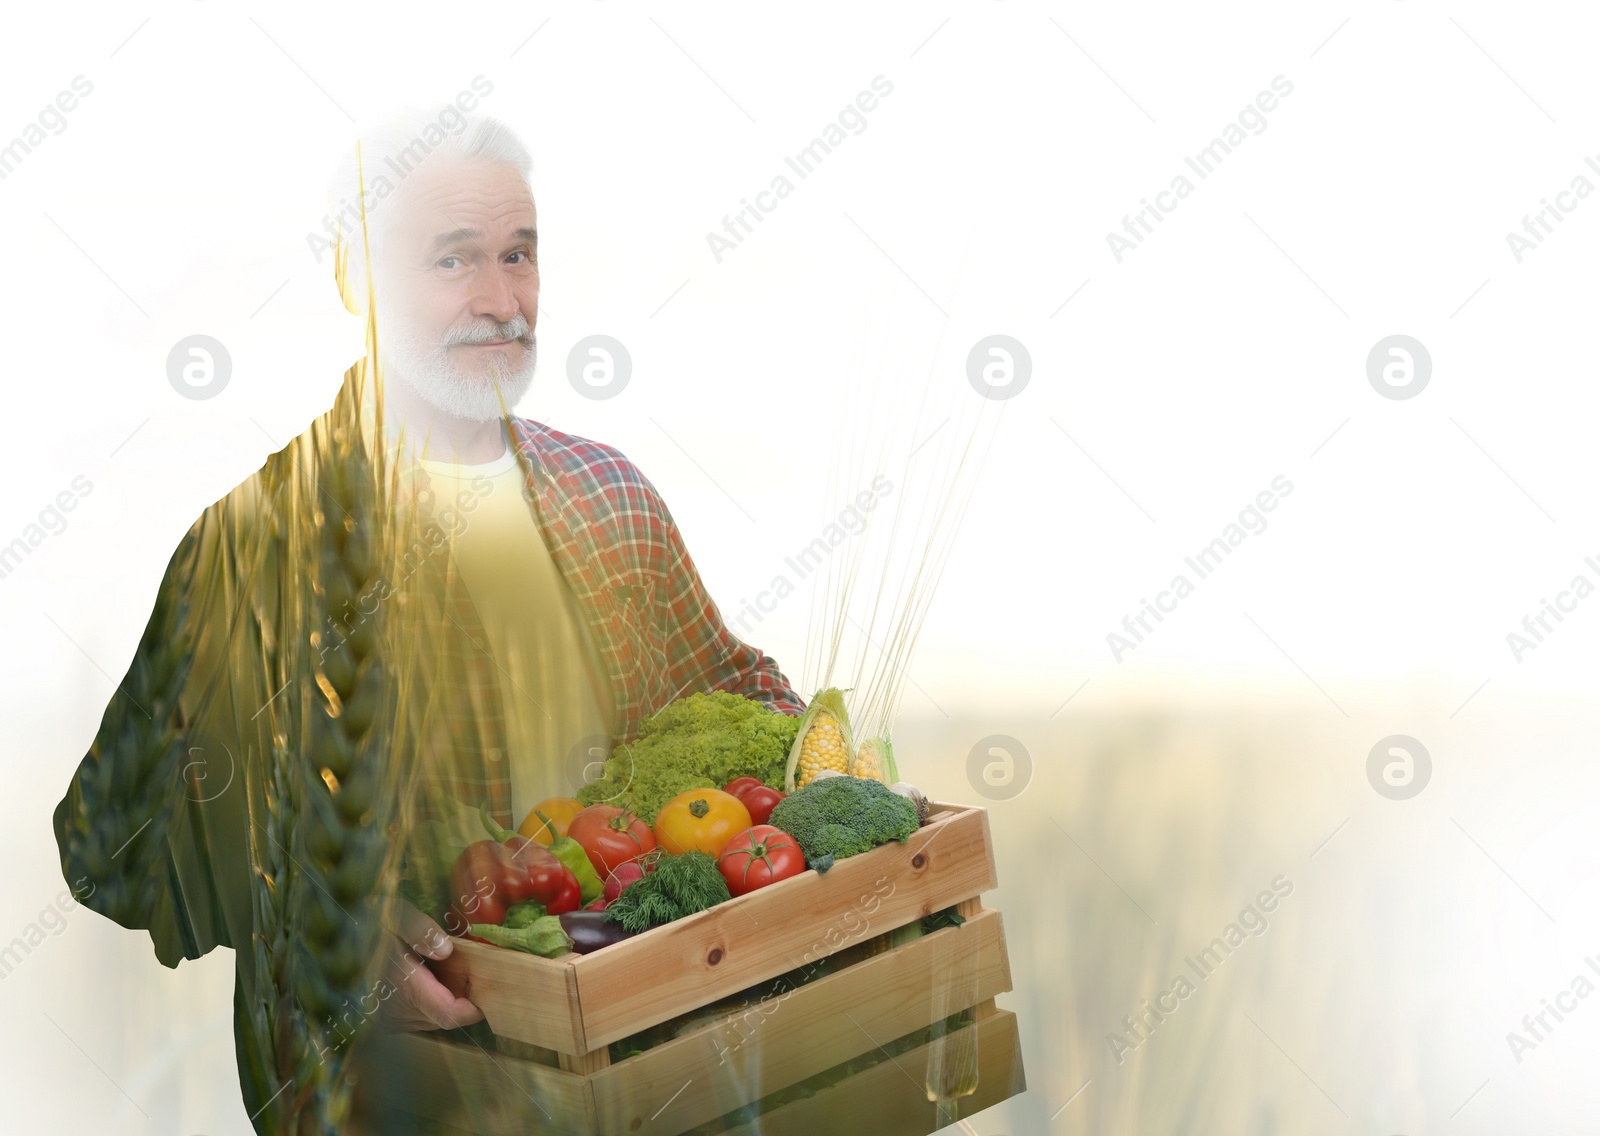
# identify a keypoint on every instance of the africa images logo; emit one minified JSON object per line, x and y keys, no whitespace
{"x":1139,"y":1026}
{"x":1203,"y":163}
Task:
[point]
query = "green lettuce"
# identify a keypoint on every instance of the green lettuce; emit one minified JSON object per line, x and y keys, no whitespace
{"x":699,"y":742}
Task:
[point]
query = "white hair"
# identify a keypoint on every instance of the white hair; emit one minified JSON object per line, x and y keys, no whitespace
{"x":391,"y":149}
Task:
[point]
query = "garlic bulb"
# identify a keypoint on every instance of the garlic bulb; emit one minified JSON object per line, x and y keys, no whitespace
{"x":913,"y":794}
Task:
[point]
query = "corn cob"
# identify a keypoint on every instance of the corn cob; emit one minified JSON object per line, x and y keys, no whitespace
{"x":823,"y":741}
{"x":874,"y":761}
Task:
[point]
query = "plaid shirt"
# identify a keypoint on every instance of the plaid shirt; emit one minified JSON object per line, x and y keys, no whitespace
{"x":658,"y":632}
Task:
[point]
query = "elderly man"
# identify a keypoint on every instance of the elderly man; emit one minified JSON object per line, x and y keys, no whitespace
{"x":594,"y":576}
{"x":578,"y":613}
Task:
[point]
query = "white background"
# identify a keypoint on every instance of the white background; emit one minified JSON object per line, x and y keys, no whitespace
{"x":1229,"y":348}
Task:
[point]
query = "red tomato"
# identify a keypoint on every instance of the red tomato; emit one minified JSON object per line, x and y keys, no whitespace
{"x":760,"y":856}
{"x":760,"y":800}
{"x":739,"y":784}
{"x":611,"y":836}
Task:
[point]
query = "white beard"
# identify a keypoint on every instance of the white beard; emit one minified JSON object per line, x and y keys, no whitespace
{"x":428,"y":371}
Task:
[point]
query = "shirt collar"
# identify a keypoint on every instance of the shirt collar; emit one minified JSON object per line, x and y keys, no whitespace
{"x":529,"y":440}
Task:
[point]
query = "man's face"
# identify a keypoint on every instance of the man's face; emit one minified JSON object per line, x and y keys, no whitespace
{"x":458,"y":286}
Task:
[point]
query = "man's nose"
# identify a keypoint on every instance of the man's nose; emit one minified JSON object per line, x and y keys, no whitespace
{"x":494,"y":296}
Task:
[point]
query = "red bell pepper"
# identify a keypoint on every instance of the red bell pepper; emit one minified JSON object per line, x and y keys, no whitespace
{"x":571,"y":897}
{"x":526,"y":849}
{"x":490,"y":876}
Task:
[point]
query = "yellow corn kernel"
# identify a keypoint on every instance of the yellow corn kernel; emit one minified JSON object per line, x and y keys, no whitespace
{"x":822,"y":744}
{"x":867,"y":765}
{"x":874,"y":761}
{"x":822,"y":748}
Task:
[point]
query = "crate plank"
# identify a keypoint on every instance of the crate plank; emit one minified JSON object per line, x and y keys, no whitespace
{"x":717,"y":1068}
{"x":474,"y":1090}
{"x":885,"y":1100}
{"x":676,"y":968}
{"x":522,"y":996}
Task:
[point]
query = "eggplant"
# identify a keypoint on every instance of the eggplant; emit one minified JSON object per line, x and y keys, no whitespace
{"x":590,"y":930}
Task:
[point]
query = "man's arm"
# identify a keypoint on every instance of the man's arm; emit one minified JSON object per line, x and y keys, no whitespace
{"x":122,"y":827}
{"x":177,"y":763}
{"x":702,"y":653}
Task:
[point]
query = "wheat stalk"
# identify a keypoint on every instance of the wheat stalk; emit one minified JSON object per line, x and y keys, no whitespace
{"x":347,"y":781}
{"x":325,"y":704}
{"x":325,"y":788}
{"x":338,"y":781}
{"x":271,"y":1029}
{"x":906,"y":562}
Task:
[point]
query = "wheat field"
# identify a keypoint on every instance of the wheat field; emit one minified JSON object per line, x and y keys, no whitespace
{"x":1377,"y":994}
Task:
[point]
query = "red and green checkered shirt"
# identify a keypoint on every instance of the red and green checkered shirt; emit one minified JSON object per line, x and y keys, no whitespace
{"x":658,"y":632}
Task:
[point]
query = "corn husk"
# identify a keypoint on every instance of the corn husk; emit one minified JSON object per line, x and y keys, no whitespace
{"x":874,"y":761}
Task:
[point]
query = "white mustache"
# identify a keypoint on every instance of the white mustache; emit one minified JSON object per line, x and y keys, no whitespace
{"x":514,"y":329}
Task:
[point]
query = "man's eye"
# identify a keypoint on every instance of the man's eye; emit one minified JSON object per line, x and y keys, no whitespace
{"x":450,"y":262}
{"x":513,"y":258}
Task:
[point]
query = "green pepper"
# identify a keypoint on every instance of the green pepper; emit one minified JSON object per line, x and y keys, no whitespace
{"x":543,"y":936}
{"x":522,"y":914}
{"x":571,"y":853}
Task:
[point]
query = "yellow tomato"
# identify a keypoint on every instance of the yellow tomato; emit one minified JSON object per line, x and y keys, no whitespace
{"x":559,"y":811}
{"x":701,"y":820}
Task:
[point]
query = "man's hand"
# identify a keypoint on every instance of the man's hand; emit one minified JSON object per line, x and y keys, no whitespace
{"x":419,"y":1001}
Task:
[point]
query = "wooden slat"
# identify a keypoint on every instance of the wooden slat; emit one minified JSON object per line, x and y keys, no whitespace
{"x":476,"y":1091}
{"x":681,"y":966}
{"x":747,"y":1055}
{"x":880,"y":1100}
{"x":523,"y":997}
{"x":885,"y":1100}
{"x":1005,"y":956}
{"x":586,"y":1063}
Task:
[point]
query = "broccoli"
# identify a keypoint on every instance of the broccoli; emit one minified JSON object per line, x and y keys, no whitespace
{"x":835,"y":817}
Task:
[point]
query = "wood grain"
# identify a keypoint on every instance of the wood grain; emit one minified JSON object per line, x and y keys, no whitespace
{"x":886,"y":1100}
{"x":748,"y":1054}
{"x":681,"y":966}
{"x":486,"y":1093}
{"x":523,"y":997}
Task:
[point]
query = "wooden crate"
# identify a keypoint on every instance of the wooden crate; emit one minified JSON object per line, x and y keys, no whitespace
{"x":880,"y":1101}
{"x":884,"y":1100}
{"x":579,"y":1004}
{"x":557,"y":1017}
